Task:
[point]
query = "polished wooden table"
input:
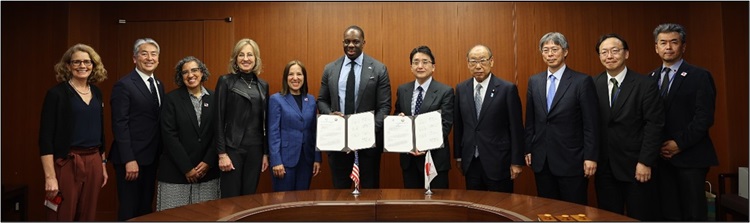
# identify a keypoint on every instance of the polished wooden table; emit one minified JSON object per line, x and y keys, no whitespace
{"x":379,"y":205}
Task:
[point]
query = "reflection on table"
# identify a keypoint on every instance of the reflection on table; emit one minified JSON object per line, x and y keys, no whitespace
{"x":379,"y":205}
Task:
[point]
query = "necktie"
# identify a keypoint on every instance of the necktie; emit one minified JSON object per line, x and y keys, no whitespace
{"x":419,"y":100}
{"x":478,"y":104}
{"x":153,"y":90}
{"x":349,"y":102}
{"x":551,"y":91}
{"x":665,"y":82}
{"x":615,"y":90}
{"x":478,"y":99}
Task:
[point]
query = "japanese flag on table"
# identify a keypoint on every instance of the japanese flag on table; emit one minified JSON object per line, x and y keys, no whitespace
{"x":429,"y":170}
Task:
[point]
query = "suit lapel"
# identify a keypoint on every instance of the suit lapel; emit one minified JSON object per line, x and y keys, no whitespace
{"x":677,"y":82}
{"x":140,"y":85}
{"x":603,"y":92}
{"x":469,"y":97}
{"x":206,"y":112}
{"x":489,"y":95}
{"x":626,"y":87}
{"x":186,"y":103}
{"x":561,"y":88}
{"x":406,"y":94}
{"x":364,"y":77}
{"x":428,"y":99}
{"x":333,"y":83}
{"x":292,"y":103}
{"x":541,"y":95}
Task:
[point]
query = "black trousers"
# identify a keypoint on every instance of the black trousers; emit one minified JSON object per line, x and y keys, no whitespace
{"x":565,"y":188}
{"x":244,"y":178}
{"x":476,"y":179}
{"x":135,"y":198}
{"x":369,"y":168}
{"x":634,"y":199}
{"x":682,"y":192}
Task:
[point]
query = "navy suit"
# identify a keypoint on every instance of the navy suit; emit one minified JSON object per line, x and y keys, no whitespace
{"x":497,"y":133}
{"x":689,"y":113}
{"x":437,"y":97}
{"x":560,"y":139}
{"x":374,"y":95}
{"x":630,"y":134}
{"x":135,"y":125}
{"x":291,"y":140}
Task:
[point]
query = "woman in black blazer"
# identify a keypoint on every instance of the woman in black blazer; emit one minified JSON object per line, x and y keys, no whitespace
{"x":241,"y":101}
{"x":71,"y":137}
{"x":188,"y":170}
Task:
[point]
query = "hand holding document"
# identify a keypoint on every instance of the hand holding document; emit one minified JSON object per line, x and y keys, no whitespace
{"x":351,"y":132}
{"x":403,"y":134}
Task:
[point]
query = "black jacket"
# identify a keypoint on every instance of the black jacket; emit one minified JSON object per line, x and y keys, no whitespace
{"x":56,"y":124}
{"x":234,"y":106}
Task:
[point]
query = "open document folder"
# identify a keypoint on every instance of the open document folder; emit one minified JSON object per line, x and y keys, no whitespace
{"x":351,"y":132}
{"x":403,"y":134}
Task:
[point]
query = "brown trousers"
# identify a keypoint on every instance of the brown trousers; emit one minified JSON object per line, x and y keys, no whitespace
{"x":79,"y":178}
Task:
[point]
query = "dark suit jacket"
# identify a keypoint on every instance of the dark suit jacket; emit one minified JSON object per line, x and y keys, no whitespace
{"x":569,"y":133}
{"x":291,"y":131}
{"x":233,"y":108}
{"x":374,"y":89}
{"x":185,"y":143}
{"x":437,"y":97}
{"x":689,"y":109}
{"x":631,"y":128}
{"x":498,"y":132}
{"x":135,"y":121}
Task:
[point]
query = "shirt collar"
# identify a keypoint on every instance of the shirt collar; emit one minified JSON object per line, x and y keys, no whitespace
{"x":620,"y":77}
{"x":558,"y":74}
{"x":425,"y":86}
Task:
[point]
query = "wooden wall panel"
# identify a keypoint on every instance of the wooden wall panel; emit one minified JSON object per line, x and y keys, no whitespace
{"x":312,"y":32}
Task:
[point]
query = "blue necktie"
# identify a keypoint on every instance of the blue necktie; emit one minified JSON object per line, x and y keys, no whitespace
{"x":551,"y":92}
{"x":615,"y":90}
{"x":419,"y":100}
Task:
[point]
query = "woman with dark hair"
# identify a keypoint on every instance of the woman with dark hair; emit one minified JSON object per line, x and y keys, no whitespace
{"x":188,"y":172}
{"x":291,"y":132}
{"x":241,"y":101}
{"x":71,"y":136}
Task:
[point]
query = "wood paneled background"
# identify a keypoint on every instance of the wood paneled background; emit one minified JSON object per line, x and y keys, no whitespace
{"x":36,"y":34}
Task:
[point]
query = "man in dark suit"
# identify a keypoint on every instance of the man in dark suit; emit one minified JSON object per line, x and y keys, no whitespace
{"x":631,"y":119}
{"x":689,"y":96}
{"x":135,"y":125}
{"x":562,"y":125}
{"x":489,"y":129}
{"x":421,"y":96}
{"x":363,"y":82}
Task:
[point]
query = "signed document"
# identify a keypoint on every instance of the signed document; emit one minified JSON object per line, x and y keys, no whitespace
{"x":403,"y":134}
{"x":351,"y":132}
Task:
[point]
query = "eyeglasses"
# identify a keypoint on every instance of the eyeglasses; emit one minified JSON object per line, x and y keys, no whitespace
{"x":554,"y":50}
{"x":484,"y":62}
{"x":192,"y":71}
{"x":355,"y":42}
{"x":613,"y":51}
{"x":423,"y":62}
{"x":79,"y":62}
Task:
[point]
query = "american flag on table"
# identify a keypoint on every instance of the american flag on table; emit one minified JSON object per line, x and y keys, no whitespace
{"x":355,"y":171}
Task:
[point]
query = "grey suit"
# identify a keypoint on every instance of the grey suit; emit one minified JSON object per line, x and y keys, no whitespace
{"x":374,"y":95}
{"x":437,"y":97}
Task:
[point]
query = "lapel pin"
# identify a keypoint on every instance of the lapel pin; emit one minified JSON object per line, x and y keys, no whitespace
{"x":683,"y":74}
{"x":652,"y":73}
{"x":305,"y":99}
{"x":492,"y":94}
{"x":369,"y":68}
{"x":102,"y":104}
{"x":205,"y":104}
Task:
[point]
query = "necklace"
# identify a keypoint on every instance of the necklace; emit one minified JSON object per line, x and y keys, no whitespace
{"x":248,"y":84}
{"x":80,"y":92}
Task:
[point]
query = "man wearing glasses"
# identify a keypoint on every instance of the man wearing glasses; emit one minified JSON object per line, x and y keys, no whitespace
{"x":631,"y":123}
{"x":562,"y":125}
{"x":488,"y":135}
{"x":423,"y":95}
